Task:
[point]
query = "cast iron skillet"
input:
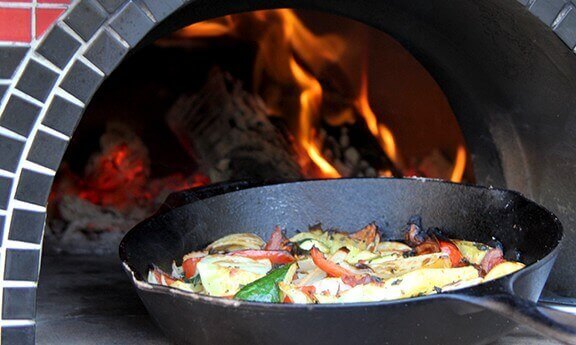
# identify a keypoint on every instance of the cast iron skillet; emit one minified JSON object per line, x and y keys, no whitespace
{"x":473,"y":315}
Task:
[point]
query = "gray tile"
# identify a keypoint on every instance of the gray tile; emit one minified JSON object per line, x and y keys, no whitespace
{"x":19,"y":303}
{"x":27,"y":226}
{"x":3,"y":89}
{"x":161,"y":9}
{"x":58,"y":47}
{"x":11,"y":152}
{"x":37,"y":80}
{"x":106,"y":52}
{"x":47,"y":150}
{"x":18,"y":335}
{"x":63,"y":115}
{"x":111,"y":5}
{"x":19,"y":115}
{"x":85,"y":18}
{"x":5,"y":189}
{"x":34,"y":187}
{"x":547,"y":10}
{"x":132,"y":23}
{"x":566,"y":30}
{"x":22,"y":264}
{"x":11,"y":57}
{"x":81,"y":81}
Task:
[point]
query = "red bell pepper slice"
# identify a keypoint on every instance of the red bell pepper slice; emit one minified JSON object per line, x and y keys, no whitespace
{"x":453,"y":253}
{"x":189,"y":266}
{"x":275,"y":256}
{"x":332,"y":269}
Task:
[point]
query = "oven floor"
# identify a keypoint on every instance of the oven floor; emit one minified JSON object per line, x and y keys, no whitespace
{"x":89,"y":300}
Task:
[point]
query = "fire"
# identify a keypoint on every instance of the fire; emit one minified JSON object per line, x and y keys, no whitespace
{"x":378,"y":130}
{"x":310,"y":101}
{"x":459,"y":165}
{"x":118,"y":176}
{"x":289,"y":59}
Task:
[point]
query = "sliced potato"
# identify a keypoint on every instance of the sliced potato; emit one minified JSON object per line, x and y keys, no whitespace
{"x":503,"y":269}
{"x":401,"y":265}
{"x":236,"y":242}
{"x":330,"y":285}
{"x":186,"y":286}
{"x":472,"y":251}
{"x":365,"y":255}
{"x":416,"y":283}
{"x":295,"y":294}
{"x":390,"y":246}
{"x":223,"y":275}
{"x":328,"y":242}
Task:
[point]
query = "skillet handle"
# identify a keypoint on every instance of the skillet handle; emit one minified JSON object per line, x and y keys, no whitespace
{"x":550,"y":322}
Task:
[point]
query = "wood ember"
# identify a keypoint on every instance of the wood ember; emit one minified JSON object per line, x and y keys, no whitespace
{"x":229,"y":132}
{"x":89,"y":213}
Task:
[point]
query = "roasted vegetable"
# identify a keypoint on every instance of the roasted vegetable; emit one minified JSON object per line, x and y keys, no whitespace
{"x":503,"y":269}
{"x":450,"y":249}
{"x":473,"y":252}
{"x":277,"y":241}
{"x":335,"y":267}
{"x":275,"y":256}
{"x":331,"y":268}
{"x":266,"y":288}
{"x":236,"y":242}
{"x":224,"y":275}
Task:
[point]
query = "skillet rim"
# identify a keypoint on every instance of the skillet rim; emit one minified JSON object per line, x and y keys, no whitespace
{"x":497,"y":286}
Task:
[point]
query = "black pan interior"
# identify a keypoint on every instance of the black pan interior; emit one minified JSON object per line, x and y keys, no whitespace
{"x":527,"y":231}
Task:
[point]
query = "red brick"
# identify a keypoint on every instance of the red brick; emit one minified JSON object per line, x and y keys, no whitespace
{"x":15,"y":24}
{"x":54,"y":2}
{"x":45,"y":18}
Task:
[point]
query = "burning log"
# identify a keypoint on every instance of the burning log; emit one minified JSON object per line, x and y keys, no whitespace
{"x":228,"y":131}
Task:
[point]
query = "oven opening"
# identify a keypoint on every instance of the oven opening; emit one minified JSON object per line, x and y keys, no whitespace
{"x":265,"y":95}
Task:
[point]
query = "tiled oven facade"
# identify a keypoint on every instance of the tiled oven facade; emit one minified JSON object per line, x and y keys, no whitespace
{"x":53,"y":56}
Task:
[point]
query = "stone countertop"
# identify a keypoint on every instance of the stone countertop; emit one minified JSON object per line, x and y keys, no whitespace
{"x":88,"y":300}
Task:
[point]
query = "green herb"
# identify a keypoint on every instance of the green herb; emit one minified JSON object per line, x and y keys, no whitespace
{"x":266,"y":288}
{"x":194,"y":280}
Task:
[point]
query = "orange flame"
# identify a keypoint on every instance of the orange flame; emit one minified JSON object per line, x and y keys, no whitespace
{"x":290,"y":54}
{"x":310,"y":100}
{"x":459,"y":165}
{"x":379,"y":131}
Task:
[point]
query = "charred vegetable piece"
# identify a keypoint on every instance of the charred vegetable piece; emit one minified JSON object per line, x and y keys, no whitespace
{"x":492,"y":258}
{"x":236,"y":242}
{"x":369,"y":236}
{"x":277,"y":241}
{"x":275,"y":256}
{"x":266,"y":288}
